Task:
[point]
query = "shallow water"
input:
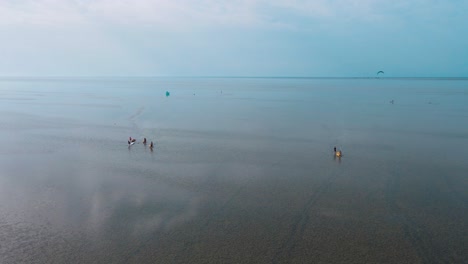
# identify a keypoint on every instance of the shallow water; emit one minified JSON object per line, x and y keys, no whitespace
{"x":242,"y":170}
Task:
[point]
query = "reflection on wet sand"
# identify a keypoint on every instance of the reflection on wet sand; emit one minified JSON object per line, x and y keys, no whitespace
{"x":101,"y":204}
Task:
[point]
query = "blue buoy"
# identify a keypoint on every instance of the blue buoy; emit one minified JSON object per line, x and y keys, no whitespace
{"x":167,"y":93}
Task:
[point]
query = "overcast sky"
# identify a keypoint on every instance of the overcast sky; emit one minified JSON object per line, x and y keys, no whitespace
{"x":320,"y":38}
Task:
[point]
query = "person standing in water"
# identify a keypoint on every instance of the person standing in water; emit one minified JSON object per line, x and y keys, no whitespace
{"x":338,"y":153}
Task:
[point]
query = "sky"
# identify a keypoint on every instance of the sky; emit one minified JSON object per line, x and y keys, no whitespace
{"x":270,"y":38}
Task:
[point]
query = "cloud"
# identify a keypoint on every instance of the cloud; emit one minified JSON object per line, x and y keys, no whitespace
{"x":161,"y":13}
{"x":192,"y":14}
{"x":40,"y":13}
{"x":176,"y":13}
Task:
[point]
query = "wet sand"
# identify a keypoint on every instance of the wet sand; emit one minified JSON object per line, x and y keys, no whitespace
{"x":246,"y":175}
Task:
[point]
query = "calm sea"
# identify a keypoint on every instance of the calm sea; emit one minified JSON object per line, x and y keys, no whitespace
{"x":242,"y":170}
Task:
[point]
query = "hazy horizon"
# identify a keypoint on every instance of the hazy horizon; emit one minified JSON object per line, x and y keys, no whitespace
{"x":233,"y":77}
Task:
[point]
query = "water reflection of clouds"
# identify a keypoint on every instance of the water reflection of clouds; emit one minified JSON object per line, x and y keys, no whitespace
{"x":137,"y":206}
{"x":93,"y":196}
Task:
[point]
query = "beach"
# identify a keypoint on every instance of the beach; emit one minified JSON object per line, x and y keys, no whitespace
{"x":242,"y":170}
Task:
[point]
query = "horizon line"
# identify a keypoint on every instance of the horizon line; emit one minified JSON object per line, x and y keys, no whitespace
{"x":223,"y":77}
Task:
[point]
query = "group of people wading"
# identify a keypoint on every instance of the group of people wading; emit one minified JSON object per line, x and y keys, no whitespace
{"x":132,"y":141}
